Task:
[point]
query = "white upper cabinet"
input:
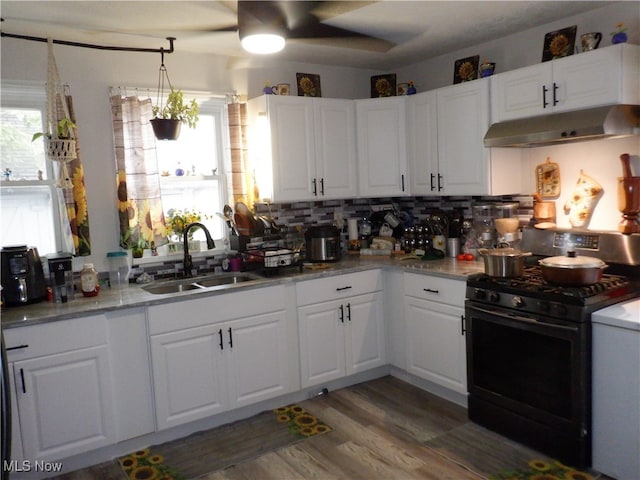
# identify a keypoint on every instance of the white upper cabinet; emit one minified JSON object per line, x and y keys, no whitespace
{"x":422,"y":141}
{"x":303,"y":148}
{"x":382,"y":147}
{"x":446,"y":150}
{"x":600,"y":77}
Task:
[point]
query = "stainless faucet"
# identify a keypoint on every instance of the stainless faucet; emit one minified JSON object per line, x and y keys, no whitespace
{"x":188,"y":264}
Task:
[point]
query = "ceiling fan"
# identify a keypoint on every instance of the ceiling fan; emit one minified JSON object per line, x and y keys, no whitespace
{"x":301,"y":20}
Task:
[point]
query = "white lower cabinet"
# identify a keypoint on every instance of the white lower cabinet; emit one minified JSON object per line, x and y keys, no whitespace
{"x":213,"y":354}
{"x":344,"y":335}
{"x":435,"y":341}
{"x":63,"y":387}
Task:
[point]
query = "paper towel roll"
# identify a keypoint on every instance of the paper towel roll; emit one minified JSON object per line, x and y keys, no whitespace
{"x":353,"y":228}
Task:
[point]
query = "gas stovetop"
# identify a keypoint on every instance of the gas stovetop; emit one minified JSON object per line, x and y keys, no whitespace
{"x":531,"y":293}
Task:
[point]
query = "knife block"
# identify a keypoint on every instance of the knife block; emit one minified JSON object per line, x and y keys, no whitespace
{"x":629,"y":204}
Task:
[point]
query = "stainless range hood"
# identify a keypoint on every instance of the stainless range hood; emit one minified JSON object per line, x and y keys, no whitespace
{"x":556,"y":128}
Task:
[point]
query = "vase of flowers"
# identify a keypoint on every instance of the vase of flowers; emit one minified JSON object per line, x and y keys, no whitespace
{"x":177,"y":221}
{"x":619,"y":35}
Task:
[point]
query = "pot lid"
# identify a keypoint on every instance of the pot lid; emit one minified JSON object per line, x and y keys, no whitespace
{"x":572,"y":261}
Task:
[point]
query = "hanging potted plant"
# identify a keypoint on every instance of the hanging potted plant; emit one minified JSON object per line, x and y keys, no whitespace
{"x":168,"y":117}
{"x":62,"y":145}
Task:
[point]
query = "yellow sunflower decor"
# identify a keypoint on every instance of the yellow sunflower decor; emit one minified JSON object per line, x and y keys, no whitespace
{"x":145,"y":465}
{"x":301,"y":423}
{"x":543,"y":470}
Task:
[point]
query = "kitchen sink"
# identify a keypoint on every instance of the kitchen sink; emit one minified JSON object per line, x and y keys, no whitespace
{"x":200,"y":283}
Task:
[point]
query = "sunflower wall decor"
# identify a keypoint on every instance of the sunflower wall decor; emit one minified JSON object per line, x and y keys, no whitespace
{"x":308,"y":85}
{"x":466,"y":69}
{"x":559,"y":43}
{"x":383,"y":85}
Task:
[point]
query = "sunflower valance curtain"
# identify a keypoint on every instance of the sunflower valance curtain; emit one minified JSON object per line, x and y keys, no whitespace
{"x":72,"y":195}
{"x":139,"y":203}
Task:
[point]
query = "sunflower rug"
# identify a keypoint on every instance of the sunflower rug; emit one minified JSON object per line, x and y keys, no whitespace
{"x":492,"y":456}
{"x":544,"y":470}
{"x":222,"y":447}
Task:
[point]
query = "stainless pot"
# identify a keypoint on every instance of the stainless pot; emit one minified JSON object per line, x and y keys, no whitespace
{"x":322,"y":244}
{"x":503,"y":262}
{"x":571,"y":270}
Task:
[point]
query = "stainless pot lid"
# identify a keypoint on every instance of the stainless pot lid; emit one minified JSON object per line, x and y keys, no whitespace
{"x":572,"y":261}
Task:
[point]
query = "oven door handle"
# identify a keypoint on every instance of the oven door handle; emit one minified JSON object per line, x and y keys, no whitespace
{"x":524,"y":319}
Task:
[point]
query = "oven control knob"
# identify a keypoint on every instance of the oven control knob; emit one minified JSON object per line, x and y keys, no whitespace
{"x":517,"y":301}
{"x":544,"y":306}
{"x":560,"y":309}
{"x":479,"y":294}
{"x":494,"y":296}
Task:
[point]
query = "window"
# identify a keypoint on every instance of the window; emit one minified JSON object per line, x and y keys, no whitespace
{"x":28,"y":196}
{"x":192,"y":167}
{"x":28,"y":201}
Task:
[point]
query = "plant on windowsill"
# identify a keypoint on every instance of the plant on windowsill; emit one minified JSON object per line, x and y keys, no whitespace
{"x":62,"y":145}
{"x":177,"y":221}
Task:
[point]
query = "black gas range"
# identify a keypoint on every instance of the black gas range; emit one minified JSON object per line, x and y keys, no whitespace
{"x":529,"y":342}
{"x":530,"y":293}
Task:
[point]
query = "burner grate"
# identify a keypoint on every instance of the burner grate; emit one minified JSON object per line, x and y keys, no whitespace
{"x":532,"y":282}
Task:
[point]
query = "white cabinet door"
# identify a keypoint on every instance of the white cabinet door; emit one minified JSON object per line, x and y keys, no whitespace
{"x":341,"y":337}
{"x":321,"y":332}
{"x":64,"y":403}
{"x":422,"y":128}
{"x":364,"y":333}
{"x":522,"y":93}
{"x":463,"y":120}
{"x":292,"y":147}
{"x":591,"y":79}
{"x":258,"y":364}
{"x":382,"y":147}
{"x":335,"y":128}
{"x":601,"y":77}
{"x":303,"y":148}
{"x":189,"y":374}
{"x":435,"y":343}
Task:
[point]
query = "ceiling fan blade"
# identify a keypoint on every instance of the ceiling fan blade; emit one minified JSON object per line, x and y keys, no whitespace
{"x":329,"y":35}
{"x":300,"y":21}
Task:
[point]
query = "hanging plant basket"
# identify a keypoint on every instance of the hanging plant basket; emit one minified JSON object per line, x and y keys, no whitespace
{"x":61,"y":149}
{"x":166,"y":128}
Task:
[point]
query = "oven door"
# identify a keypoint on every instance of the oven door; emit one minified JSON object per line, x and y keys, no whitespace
{"x":532,"y":375}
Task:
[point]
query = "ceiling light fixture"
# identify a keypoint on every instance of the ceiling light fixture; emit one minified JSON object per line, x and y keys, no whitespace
{"x":262,"y":39}
{"x":263,"y":43}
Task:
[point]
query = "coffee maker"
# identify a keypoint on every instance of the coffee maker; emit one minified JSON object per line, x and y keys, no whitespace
{"x":22,"y":275}
{"x":61,"y":276}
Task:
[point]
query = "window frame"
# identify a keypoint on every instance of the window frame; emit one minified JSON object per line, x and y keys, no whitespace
{"x":33,"y":95}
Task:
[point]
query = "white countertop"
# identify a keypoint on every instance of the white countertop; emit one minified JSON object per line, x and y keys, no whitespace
{"x":623,"y":315}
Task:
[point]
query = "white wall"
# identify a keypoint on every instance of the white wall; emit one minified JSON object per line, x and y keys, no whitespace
{"x":599,"y":159}
{"x":524,"y":48}
{"x":90,"y":73}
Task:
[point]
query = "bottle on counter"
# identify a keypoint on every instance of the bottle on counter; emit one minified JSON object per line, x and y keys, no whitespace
{"x":89,"y":281}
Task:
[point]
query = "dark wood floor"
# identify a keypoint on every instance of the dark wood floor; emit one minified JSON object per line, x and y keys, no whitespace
{"x":383,"y":429}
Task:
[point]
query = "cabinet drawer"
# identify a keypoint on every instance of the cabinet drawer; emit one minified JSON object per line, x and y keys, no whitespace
{"x":55,"y":337}
{"x":338,"y":287}
{"x":436,"y":289}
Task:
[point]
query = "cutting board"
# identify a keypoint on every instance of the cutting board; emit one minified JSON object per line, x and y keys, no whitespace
{"x":548,"y":179}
